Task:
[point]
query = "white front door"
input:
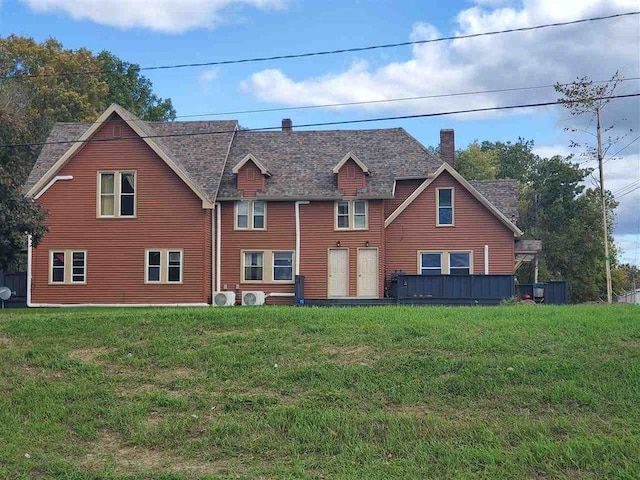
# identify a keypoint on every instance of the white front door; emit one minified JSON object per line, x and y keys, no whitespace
{"x":368,"y":272}
{"x":338,"y":272}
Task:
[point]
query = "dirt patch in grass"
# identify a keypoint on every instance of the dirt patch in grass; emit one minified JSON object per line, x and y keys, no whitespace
{"x":6,"y":341}
{"x":351,"y":354}
{"x":109,"y":451}
{"x":169,"y":374}
{"x":90,"y":354}
{"x":42,"y":373}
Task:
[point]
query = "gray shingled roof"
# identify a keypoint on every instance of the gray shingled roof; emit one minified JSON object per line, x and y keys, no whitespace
{"x":200,"y":156}
{"x":300,"y":163}
{"x":503,"y":194}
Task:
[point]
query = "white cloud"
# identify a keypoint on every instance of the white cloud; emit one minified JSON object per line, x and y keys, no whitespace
{"x":208,"y":76}
{"x":171,"y":16}
{"x":539,"y":57}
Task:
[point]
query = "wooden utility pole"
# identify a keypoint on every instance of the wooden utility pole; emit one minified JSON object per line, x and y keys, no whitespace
{"x":607,"y":262}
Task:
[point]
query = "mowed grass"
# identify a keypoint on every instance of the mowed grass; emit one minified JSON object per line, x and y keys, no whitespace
{"x":284,"y":392}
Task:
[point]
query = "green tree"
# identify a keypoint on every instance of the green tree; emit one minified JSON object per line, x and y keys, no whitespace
{"x":43,"y":83}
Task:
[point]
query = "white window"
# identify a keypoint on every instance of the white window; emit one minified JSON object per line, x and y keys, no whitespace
{"x":174,"y":262}
{"x":253,"y":266}
{"x":445,"y":206}
{"x":117,"y":194}
{"x":459,"y":263}
{"x":267,"y":266}
{"x":57,"y":267}
{"x":282,"y":266}
{"x":251,"y":215}
{"x":430,"y":263}
{"x":163,"y":266}
{"x":351,"y":215}
{"x":68,"y":266}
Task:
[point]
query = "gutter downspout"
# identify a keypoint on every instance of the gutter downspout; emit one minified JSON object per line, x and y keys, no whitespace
{"x":29,"y":252}
{"x":218,"y":243}
{"x":297,"y":209}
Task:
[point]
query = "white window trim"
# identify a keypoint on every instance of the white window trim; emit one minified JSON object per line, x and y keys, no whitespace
{"x":250,"y":215}
{"x":117,"y":193}
{"x":352,"y":215}
{"x":267,"y":266}
{"x":453,"y":209}
{"x":68,"y":266}
{"x":423,"y":252}
{"x":273,"y":266}
{"x":470,"y":252}
{"x":168,"y":252}
{"x":164,"y":266}
{"x":444,"y":260}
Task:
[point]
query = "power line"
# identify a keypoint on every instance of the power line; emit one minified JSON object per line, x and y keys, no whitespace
{"x":326,"y":124}
{"x":391,"y":100}
{"x":628,"y":192}
{"x":339,"y":51}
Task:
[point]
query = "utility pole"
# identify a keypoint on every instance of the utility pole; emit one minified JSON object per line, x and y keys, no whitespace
{"x":607,"y":262}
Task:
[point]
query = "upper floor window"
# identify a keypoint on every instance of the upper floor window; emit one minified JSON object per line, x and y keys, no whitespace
{"x":444,"y":206}
{"x":68,"y":266}
{"x":351,"y":215}
{"x":251,"y":215}
{"x":163,"y":266}
{"x":117,"y":194}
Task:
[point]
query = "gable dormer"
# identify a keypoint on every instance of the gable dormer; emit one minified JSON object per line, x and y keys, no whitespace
{"x":250,"y":176}
{"x":351,"y":173}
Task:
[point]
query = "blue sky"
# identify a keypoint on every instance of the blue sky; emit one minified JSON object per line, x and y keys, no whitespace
{"x":162,"y":32}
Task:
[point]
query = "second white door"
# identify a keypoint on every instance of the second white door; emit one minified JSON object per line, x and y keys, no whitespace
{"x":368,"y":272}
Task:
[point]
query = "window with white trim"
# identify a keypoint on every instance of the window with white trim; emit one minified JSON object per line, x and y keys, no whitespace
{"x":351,"y":215}
{"x":163,"y":265}
{"x":459,"y":263}
{"x":67,"y":267}
{"x":253,"y":266}
{"x":282,"y":266}
{"x":445,"y":206}
{"x":116,"y":194}
{"x":430,"y":263}
{"x":267,"y":266}
{"x":251,"y":215}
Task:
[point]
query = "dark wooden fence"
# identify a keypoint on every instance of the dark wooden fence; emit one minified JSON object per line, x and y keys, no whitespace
{"x":17,"y":283}
{"x":452,"y":289}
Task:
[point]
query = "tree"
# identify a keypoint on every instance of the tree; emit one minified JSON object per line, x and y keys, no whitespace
{"x":43,"y":83}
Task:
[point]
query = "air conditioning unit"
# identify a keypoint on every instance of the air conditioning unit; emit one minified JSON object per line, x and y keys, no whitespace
{"x":224,"y":299}
{"x":253,"y":298}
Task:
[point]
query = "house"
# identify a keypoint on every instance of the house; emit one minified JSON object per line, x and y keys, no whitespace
{"x":149,"y":213}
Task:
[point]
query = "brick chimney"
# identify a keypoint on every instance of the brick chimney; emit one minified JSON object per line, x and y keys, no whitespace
{"x":287,"y":125}
{"x":447,"y":146}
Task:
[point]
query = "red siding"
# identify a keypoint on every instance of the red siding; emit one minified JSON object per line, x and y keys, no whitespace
{"x":169,"y":215}
{"x":404,"y":188}
{"x":318,"y":236}
{"x":279,"y":235}
{"x":351,"y":178}
{"x":250,"y":179}
{"x":415,"y":229}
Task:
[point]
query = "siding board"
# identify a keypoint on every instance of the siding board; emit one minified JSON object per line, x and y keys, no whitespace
{"x":169,"y":215}
{"x":415,"y":229}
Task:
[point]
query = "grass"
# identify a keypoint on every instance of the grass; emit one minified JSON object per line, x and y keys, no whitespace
{"x":277,"y":392}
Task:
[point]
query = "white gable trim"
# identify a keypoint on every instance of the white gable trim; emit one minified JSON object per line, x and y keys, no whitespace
{"x":249,"y":157}
{"x":470,"y":188}
{"x":353,"y":157}
{"x":132,"y":122}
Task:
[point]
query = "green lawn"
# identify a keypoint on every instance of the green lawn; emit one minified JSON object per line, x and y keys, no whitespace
{"x":276,"y":392}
